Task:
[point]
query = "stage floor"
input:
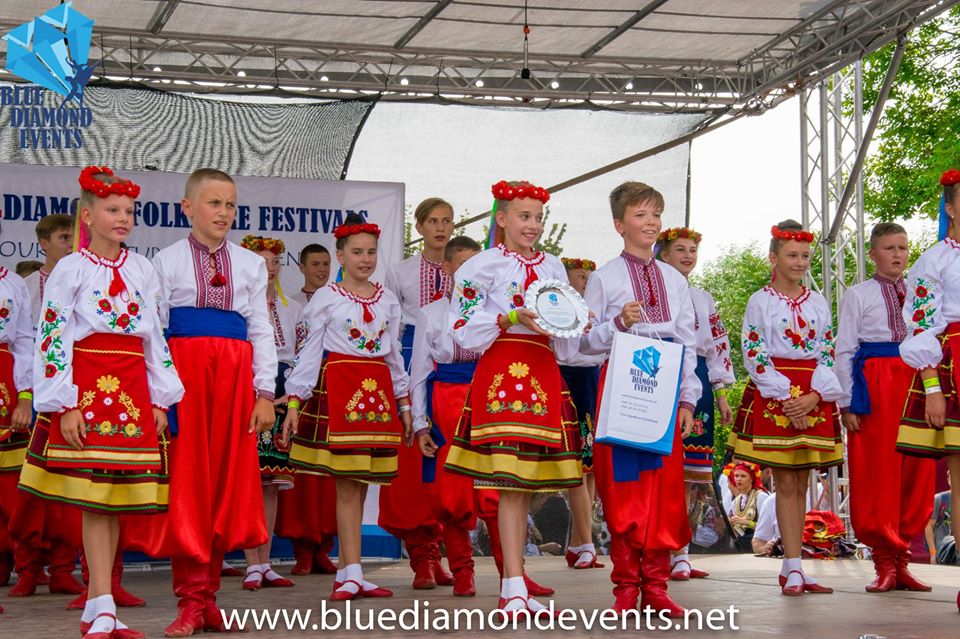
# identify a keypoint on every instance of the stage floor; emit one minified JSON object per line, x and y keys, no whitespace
{"x":748,"y":583}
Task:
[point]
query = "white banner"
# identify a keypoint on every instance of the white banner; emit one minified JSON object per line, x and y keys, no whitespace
{"x":299,"y":212}
{"x":639,"y":404}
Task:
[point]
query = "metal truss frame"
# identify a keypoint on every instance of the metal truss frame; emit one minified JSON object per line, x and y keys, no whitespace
{"x":823,"y":43}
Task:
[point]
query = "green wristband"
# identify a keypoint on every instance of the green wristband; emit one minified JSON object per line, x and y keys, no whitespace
{"x":512,"y":316}
{"x":930,"y":382}
{"x":293,"y":404}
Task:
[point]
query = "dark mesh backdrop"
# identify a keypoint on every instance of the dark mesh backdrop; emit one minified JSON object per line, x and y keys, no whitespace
{"x":136,"y":128}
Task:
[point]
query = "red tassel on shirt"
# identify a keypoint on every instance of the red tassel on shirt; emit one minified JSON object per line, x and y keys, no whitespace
{"x":116,"y":283}
{"x":218,"y":280}
{"x":367,"y":314}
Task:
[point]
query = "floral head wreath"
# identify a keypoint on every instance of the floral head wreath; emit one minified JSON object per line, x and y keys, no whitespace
{"x":345,"y":230}
{"x":257,"y":243}
{"x":950,"y":177}
{"x":503,"y":190}
{"x":89,"y":183}
{"x":751,"y":469}
{"x":679,"y":233}
{"x":572,"y":263}
{"x":800,"y":236}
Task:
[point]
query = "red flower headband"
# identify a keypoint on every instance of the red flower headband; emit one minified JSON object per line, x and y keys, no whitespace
{"x":571,"y":263}
{"x":503,"y":191}
{"x":800,"y":236}
{"x":679,"y":233}
{"x":90,"y":184}
{"x":256,"y":244}
{"x":949,"y":178}
{"x":354,"y":229}
{"x":751,"y":469}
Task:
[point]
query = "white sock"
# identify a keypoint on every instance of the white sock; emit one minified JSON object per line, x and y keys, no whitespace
{"x":224,"y":565}
{"x":89,"y":611}
{"x":678,"y":558}
{"x":103,"y":604}
{"x":792,"y":571}
{"x":254,"y":573}
{"x":353,"y":573}
{"x":586,"y":560}
{"x":514,"y":587}
{"x":341,"y":575}
{"x":270,"y":573}
{"x":575,"y":549}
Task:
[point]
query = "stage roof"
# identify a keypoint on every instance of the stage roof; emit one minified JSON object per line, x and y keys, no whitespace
{"x":703,"y":56}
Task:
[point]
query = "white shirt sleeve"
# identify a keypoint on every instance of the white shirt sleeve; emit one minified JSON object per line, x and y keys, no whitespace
{"x":305,"y":373}
{"x":848,"y":340}
{"x":21,"y":335}
{"x":475,"y":327}
{"x":165,"y":386}
{"x":260,"y":334}
{"x":923,"y":312}
{"x":719,"y":366}
{"x":421,"y":367}
{"x":766,"y":529}
{"x":53,"y":389}
{"x":394,"y":359}
{"x":771,"y":383}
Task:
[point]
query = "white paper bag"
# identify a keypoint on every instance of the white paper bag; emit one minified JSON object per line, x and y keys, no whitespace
{"x":640,"y":392}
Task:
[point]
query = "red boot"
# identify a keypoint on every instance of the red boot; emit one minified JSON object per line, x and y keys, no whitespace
{"x":886,"y":570}
{"x":440,"y":574}
{"x":29,"y":566}
{"x":121,"y":596}
{"x":63,"y":561}
{"x":189,"y":585}
{"x":456,"y":538}
{"x":303,"y":554}
{"x":321,"y":558}
{"x":905,"y":580}
{"x":6,"y":566}
{"x":655,"y":571}
{"x":421,"y":560}
{"x":625,"y":574}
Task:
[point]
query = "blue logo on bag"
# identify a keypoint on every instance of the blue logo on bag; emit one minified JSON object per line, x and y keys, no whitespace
{"x":647,"y":360}
{"x":52,"y":52}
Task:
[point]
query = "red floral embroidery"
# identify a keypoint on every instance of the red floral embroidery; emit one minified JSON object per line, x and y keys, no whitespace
{"x":104,"y":305}
{"x":751,"y":353}
{"x":354,"y":333}
{"x":917,"y":331}
{"x":46,"y":344}
{"x":370,"y":345}
{"x":133,"y":308}
{"x":761,"y":370}
{"x":918,"y":315}
{"x":812,"y":334}
{"x":518,"y":300}
{"x":50,"y":371}
{"x":123,"y":321}
{"x":459,"y":323}
{"x":50,"y":315}
{"x":921,"y":291}
{"x":469,"y":293}
{"x":753,"y":336}
{"x":4,"y":312}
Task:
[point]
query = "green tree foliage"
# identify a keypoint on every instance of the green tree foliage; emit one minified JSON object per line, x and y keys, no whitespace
{"x":918,"y":136}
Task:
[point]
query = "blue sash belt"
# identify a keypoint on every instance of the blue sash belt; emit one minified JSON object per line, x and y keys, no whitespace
{"x":860,"y":396}
{"x":190,"y":321}
{"x":406,"y":345}
{"x":459,"y":373}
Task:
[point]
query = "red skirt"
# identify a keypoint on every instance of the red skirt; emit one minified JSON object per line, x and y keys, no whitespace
{"x":216,"y":502}
{"x":763,"y":434}
{"x":8,"y":391}
{"x":13,"y":445}
{"x":453,"y":497}
{"x":122,"y":465}
{"x":916,"y":437}
{"x":340,"y":432}
{"x":649,"y":512}
{"x":504,"y":456}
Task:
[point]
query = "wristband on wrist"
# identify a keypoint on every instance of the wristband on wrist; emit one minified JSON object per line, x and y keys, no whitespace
{"x":405,"y":408}
{"x":930,"y":382}
{"x":930,"y":390}
{"x":512,"y":316}
{"x":25,"y":395}
{"x":720,"y":392}
{"x":293,"y":404}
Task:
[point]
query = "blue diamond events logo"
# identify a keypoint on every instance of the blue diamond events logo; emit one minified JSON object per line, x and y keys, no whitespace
{"x":51,"y":51}
{"x":647,"y":360}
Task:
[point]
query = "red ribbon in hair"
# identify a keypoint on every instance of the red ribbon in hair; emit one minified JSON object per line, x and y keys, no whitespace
{"x":950,"y":177}
{"x":799,"y":236}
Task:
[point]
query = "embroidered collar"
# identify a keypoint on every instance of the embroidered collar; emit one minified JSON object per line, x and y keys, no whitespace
{"x":538,"y":256}
{"x":3,"y":272}
{"x":200,"y":246}
{"x":96,"y":259}
{"x":430,"y":262}
{"x":882,"y":280}
{"x":357,"y":298}
{"x":797,"y":301}
{"x":630,"y":258}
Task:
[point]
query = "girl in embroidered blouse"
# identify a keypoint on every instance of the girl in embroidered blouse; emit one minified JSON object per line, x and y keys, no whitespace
{"x":519,"y":432}
{"x":275,"y":471}
{"x":350,"y":429}
{"x":788,"y":418}
{"x":678,"y":248}
{"x":930,"y":426}
{"x":104,"y":380}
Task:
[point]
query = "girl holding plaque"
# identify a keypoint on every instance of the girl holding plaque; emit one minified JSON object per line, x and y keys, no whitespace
{"x":352,"y":427}
{"x":642,"y":493}
{"x":788,"y":418}
{"x":678,"y":248}
{"x":518,"y":432}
